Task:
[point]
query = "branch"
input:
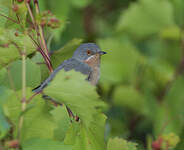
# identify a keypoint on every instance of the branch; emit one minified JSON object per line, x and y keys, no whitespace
{"x":41,"y":29}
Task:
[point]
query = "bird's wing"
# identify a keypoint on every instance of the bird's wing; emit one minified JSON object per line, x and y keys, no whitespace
{"x":67,"y":65}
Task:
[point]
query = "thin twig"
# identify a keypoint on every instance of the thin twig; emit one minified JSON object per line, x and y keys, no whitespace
{"x":47,"y":60}
{"x":31,"y":14}
{"x":41,"y":29}
{"x":32,"y":96}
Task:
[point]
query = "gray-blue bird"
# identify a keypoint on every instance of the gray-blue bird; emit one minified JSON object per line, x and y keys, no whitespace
{"x":86,"y":59}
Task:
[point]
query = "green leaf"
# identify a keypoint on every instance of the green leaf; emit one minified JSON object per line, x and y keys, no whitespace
{"x":5,"y":6}
{"x":65,"y":52}
{"x":9,"y":43}
{"x":129,"y":97}
{"x":120,"y":62}
{"x":120,"y":144}
{"x":33,"y":75}
{"x":75,"y":92}
{"x":146,"y":17}
{"x":38,"y":122}
{"x":38,"y":59}
{"x":171,"y":113}
{"x":4,"y":11}
{"x":4,"y":125}
{"x":44,"y":144}
{"x":87,"y":138}
{"x":62,"y":120}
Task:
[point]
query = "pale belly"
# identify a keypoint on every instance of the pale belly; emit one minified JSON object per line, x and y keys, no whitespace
{"x":95,"y":75}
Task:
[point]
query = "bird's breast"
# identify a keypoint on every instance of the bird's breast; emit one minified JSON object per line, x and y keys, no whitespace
{"x":94,"y":63}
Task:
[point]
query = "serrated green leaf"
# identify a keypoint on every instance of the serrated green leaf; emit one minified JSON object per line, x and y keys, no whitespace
{"x":44,"y":144}
{"x":65,"y":52}
{"x":146,"y":17}
{"x":33,"y":75}
{"x":38,"y":122}
{"x":120,"y":144}
{"x":9,"y":43}
{"x":90,"y":138}
{"x":62,"y":120}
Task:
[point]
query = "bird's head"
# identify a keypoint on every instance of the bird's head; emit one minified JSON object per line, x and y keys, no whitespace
{"x":87,"y":52}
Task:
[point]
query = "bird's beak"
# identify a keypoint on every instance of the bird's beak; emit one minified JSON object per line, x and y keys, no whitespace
{"x":102,"y":52}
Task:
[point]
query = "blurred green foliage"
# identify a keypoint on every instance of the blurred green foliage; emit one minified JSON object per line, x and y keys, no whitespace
{"x":141,"y":84}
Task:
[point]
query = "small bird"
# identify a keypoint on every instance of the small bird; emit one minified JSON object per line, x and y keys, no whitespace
{"x":86,"y":59}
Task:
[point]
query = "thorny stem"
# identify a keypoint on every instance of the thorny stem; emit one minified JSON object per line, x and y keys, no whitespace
{"x":23,"y":101}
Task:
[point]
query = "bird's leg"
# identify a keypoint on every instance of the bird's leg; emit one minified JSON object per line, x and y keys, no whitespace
{"x":56,"y":103}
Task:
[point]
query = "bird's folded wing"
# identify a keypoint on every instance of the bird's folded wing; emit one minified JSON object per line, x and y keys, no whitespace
{"x":67,"y":65}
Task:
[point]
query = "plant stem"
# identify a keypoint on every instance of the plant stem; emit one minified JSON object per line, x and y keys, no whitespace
{"x":40,"y":35}
{"x":23,"y":101}
{"x":31,"y":14}
{"x":41,"y":29}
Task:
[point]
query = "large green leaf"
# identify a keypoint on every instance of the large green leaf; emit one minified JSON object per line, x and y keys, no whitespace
{"x":9,"y":43}
{"x":33,"y":75}
{"x":65,"y":52}
{"x":146,"y":17}
{"x":44,"y":144}
{"x":87,"y":138}
{"x":120,"y":144}
{"x":75,"y":92}
{"x":62,"y":121}
{"x":38,"y":122}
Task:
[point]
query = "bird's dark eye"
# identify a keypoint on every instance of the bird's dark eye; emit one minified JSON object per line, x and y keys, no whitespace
{"x":88,"y":52}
